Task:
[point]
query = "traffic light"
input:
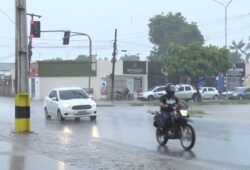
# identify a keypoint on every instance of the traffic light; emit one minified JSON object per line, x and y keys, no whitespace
{"x":35,"y":29}
{"x":66,"y":37}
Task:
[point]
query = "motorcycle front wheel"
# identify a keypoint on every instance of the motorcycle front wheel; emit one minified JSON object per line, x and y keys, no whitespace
{"x":161,"y":137}
{"x":187,"y":137}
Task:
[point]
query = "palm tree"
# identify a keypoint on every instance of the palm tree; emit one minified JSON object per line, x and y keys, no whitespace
{"x":247,"y":50}
{"x":237,"y":49}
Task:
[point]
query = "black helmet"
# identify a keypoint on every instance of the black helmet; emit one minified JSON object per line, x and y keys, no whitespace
{"x":170,"y":89}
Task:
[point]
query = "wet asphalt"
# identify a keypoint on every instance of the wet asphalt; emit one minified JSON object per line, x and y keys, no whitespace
{"x":123,"y":137}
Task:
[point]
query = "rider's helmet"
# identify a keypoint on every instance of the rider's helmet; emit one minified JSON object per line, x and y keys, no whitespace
{"x":170,"y":89}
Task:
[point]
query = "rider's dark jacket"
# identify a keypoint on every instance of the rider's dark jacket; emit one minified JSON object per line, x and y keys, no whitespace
{"x":169,"y":100}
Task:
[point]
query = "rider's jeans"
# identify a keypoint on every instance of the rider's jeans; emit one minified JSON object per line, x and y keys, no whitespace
{"x":168,"y":119}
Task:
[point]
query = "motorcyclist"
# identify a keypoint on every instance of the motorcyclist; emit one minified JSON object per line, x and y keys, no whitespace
{"x":167,"y":102}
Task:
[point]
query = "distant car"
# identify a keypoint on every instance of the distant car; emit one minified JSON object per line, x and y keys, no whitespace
{"x":225,"y":94}
{"x":209,"y":93}
{"x":153,"y":93}
{"x":240,"y":93}
{"x":186,"y":92}
{"x":69,"y":102}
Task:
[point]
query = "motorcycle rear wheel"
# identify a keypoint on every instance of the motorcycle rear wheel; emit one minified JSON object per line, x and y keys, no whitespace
{"x":161,"y":137}
{"x":187,"y":137}
{"x":131,"y":97}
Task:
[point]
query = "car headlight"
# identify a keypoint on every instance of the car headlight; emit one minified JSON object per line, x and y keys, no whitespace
{"x":66,"y":105}
{"x":93,"y":104}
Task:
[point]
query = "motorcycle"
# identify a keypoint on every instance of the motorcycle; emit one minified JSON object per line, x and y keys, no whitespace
{"x":181,"y":128}
{"x":121,"y":95}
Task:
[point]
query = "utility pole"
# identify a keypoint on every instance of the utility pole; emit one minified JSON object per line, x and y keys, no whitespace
{"x":22,"y":100}
{"x":113,"y":66}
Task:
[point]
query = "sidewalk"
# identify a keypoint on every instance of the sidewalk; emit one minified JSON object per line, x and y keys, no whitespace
{"x":15,"y":157}
{"x":109,"y":103}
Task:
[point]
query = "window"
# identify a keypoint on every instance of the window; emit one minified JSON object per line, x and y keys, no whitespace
{"x":181,"y":89}
{"x":160,"y":89}
{"x":52,"y":94}
{"x":188,"y":88}
{"x":211,"y":89}
{"x":247,"y":90}
{"x":72,"y":94}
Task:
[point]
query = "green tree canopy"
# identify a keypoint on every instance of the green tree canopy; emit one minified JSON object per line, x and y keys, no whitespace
{"x":130,"y":57}
{"x":82,"y":58}
{"x":196,"y":60}
{"x":171,"y":28}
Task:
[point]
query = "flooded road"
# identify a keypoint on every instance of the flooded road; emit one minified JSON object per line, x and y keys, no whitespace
{"x":222,"y":134}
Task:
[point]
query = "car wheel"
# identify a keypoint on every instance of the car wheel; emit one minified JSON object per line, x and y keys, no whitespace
{"x":46,"y":114}
{"x":216,"y":97}
{"x":240,"y":98}
{"x":92,"y":118}
{"x":59,"y":116}
{"x":151,"y":98}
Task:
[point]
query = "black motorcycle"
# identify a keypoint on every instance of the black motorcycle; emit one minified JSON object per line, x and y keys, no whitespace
{"x":181,"y":128}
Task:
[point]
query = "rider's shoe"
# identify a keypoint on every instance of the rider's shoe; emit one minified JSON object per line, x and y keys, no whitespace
{"x":171,"y":133}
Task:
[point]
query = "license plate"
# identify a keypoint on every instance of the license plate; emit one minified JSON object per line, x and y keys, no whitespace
{"x":82,"y":113}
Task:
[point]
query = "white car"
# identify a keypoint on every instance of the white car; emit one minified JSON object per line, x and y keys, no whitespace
{"x":209,"y":93}
{"x":153,"y":93}
{"x":69,"y":102}
{"x":186,"y":92}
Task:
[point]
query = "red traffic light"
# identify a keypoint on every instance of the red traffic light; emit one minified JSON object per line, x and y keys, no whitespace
{"x":35,"y":29}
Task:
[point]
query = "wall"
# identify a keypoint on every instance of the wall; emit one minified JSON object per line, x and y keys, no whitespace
{"x":248,"y":74}
{"x":48,"y":83}
{"x":104,"y":69}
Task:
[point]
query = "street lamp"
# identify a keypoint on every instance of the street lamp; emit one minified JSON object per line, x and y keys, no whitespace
{"x":225,"y":6}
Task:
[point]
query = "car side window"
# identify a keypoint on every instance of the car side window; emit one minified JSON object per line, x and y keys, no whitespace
{"x":181,"y":89}
{"x":210,"y":89}
{"x":162,"y":89}
{"x":52,"y":94}
{"x":187,"y":88}
{"x":247,"y":91}
{"x":157,"y":90}
{"x":204,"y":90}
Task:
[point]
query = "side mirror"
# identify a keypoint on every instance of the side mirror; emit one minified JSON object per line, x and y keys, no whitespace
{"x":54,"y":98}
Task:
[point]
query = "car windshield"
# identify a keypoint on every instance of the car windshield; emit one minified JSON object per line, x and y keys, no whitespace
{"x":152,"y":88}
{"x":72,"y":94}
{"x":239,"y":89}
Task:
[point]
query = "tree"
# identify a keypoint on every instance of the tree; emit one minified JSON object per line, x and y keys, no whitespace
{"x":195,"y":61}
{"x":82,"y":58}
{"x":54,"y":59}
{"x":130,"y":57}
{"x":235,"y":57}
{"x":171,"y":28}
{"x":240,"y":49}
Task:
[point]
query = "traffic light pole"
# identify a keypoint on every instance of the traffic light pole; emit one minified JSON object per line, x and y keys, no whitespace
{"x":90,"y":54}
{"x":90,"y":49}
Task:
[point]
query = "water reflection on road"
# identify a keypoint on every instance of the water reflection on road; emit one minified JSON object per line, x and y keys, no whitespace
{"x":222,"y":134}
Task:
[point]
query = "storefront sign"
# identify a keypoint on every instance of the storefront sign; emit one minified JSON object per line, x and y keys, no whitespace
{"x":134,"y":67}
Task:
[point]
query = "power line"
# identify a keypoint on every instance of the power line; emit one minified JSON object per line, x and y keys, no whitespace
{"x":7,"y":16}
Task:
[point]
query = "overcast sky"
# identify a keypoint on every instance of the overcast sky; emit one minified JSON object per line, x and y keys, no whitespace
{"x":100,"y":18}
